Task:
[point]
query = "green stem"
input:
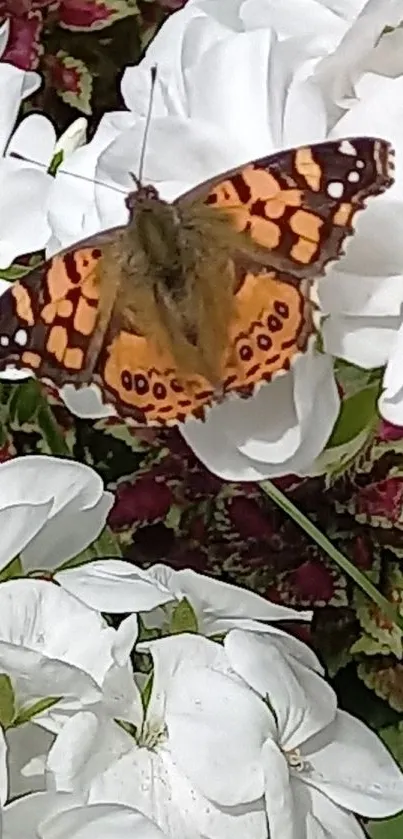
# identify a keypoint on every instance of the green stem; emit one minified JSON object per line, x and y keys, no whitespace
{"x":361,"y":580}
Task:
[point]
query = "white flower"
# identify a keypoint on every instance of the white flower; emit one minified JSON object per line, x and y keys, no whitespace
{"x":113,"y":585}
{"x":321,"y":765}
{"x":56,"y":657}
{"x":233,"y":85}
{"x":231,"y":733}
{"x":145,"y":768}
{"x":50,"y":510}
{"x":24,"y":186}
{"x":56,"y":816}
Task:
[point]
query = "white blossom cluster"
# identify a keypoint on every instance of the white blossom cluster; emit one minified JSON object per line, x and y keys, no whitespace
{"x":196,"y":718}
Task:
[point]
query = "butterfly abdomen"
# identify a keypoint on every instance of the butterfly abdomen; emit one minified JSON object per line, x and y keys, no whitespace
{"x":177,"y":282}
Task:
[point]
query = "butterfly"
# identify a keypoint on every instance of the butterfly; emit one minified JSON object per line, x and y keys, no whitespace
{"x":194,"y":300}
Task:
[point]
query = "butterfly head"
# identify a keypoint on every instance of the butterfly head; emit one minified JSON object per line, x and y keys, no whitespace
{"x":143,"y":194}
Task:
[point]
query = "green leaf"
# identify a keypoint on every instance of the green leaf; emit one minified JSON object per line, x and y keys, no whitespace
{"x":358,"y":412}
{"x":12,"y":570}
{"x":128,"y":727}
{"x":57,"y":159}
{"x":360,"y":579}
{"x":38,"y":707}
{"x":7,"y":701}
{"x":15,"y":272}
{"x":146,"y":692}
{"x":392,"y":736}
{"x":183,"y":619}
{"x":387,"y":828}
{"x":24,"y":402}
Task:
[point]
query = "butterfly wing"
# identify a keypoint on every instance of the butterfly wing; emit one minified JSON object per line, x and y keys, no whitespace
{"x":299,"y":206}
{"x":49,"y":323}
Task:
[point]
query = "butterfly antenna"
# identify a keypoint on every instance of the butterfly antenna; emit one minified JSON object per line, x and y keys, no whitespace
{"x":61,"y":171}
{"x":147,"y":125}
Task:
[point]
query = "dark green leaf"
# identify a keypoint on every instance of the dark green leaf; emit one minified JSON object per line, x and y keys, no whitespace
{"x":7,"y":701}
{"x":12,"y":570}
{"x":38,"y":707}
{"x":357,"y":412}
{"x":387,"y":828}
{"x":146,"y":692}
{"x":183,"y":619}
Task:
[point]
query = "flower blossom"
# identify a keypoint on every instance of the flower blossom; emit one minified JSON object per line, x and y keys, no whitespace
{"x":223,"y":738}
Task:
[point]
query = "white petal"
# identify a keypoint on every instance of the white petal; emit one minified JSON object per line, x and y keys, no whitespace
{"x":25,"y":814}
{"x":15,"y":84}
{"x":35,"y":139}
{"x":26,"y":744}
{"x":73,"y":201}
{"x":225,"y":724}
{"x":87,"y":745}
{"x":323,"y":819}
{"x":391,"y":399}
{"x":73,"y":488}
{"x":40,"y":615}
{"x":284,"y":821}
{"x":342,"y":293}
{"x":272,"y":433}
{"x":224,"y":76}
{"x":23,"y":221}
{"x":85,"y":402}
{"x":366,"y":342}
{"x":99,"y":821}
{"x":302,"y":701}
{"x":19,"y":523}
{"x":212,"y":598}
{"x":150,"y":781}
{"x":114,"y":586}
{"x":73,"y":137}
{"x":355,"y":769}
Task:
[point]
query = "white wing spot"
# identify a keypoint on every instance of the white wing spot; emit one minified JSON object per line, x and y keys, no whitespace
{"x":21,"y":337}
{"x":4,"y":340}
{"x":359,"y":164}
{"x":346,"y":147}
{"x":353,"y":177}
{"x":335,"y":189}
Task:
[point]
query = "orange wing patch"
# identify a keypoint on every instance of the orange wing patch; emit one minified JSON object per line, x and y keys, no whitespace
{"x":142,"y":382}
{"x":299,"y":206}
{"x":272,"y":324}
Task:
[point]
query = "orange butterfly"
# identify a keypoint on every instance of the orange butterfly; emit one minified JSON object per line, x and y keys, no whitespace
{"x":197,"y":299}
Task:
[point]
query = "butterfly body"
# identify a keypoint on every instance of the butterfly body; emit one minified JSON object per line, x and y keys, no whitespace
{"x":199,"y":299}
{"x":174,"y":270}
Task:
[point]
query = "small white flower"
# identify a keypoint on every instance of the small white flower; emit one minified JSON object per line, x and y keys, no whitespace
{"x":148,"y":768}
{"x":56,"y":657}
{"x":50,"y":510}
{"x":321,"y":765}
{"x":113,"y":585}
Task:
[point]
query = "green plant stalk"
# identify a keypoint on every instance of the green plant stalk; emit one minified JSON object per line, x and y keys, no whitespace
{"x":360,"y":579}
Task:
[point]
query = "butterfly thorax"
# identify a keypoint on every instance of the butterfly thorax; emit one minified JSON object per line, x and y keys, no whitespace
{"x":176,"y":279}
